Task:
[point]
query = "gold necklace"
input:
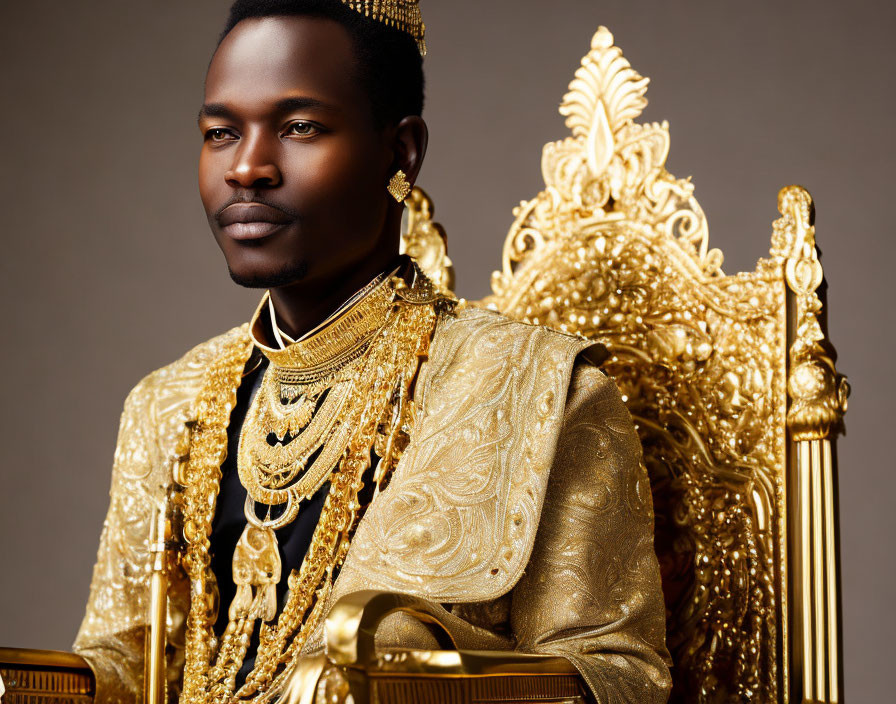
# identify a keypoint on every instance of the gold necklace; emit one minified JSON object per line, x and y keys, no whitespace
{"x":371,"y":392}
{"x":301,"y":408}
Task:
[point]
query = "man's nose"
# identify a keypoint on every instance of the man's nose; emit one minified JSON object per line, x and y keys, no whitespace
{"x":254,"y":165}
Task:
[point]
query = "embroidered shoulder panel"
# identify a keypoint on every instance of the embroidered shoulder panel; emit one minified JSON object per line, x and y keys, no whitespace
{"x":459,"y":517}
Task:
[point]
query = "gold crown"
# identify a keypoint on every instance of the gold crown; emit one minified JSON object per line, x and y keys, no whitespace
{"x":401,"y":14}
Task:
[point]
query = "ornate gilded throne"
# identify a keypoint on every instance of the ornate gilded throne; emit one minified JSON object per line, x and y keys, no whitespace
{"x":732,"y":386}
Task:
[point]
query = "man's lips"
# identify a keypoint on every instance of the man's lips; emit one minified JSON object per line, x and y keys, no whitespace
{"x":249,"y":221}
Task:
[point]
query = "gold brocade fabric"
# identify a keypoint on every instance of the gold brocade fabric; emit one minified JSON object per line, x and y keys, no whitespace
{"x":519,"y":508}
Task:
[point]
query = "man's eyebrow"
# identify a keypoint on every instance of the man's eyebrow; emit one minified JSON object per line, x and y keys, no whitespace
{"x":284,"y":105}
{"x":214,"y":110}
{"x":302,"y":103}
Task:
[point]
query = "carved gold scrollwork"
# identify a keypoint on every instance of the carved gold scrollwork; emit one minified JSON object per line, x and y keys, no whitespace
{"x":617,"y":249}
{"x":425,"y":240}
{"x":611,"y":169}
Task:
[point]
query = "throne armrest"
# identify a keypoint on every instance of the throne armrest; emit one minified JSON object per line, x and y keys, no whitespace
{"x":447,"y":675}
{"x":49,"y":676}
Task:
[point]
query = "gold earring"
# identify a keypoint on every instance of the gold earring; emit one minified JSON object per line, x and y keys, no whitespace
{"x":399,"y":186}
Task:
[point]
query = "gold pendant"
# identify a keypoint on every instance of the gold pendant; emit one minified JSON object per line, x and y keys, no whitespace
{"x":256,"y":573}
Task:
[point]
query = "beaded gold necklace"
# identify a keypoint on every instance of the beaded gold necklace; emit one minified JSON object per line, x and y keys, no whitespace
{"x":328,"y":402}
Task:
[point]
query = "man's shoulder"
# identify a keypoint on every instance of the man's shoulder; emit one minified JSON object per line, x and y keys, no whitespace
{"x":473,"y":321}
{"x":471,"y":326}
{"x":477,"y":346}
{"x":182,"y":378}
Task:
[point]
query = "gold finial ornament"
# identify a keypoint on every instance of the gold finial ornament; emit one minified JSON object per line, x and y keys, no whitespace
{"x":399,"y":186}
{"x":401,"y":14}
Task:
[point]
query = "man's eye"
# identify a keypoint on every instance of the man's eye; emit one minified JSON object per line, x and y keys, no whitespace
{"x":301,"y":129}
{"x":218,"y":134}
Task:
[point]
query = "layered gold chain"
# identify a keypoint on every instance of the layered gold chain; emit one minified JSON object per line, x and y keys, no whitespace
{"x":361,"y":405}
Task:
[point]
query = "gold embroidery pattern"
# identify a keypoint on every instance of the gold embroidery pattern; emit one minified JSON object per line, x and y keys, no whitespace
{"x":591,"y":591}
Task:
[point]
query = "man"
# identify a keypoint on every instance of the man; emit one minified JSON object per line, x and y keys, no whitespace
{"x":363,"y":432}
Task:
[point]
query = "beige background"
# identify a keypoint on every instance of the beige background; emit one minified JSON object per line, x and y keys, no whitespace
{"x":108,"y":269}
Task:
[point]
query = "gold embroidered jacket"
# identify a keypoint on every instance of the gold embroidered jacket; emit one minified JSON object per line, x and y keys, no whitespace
{"x":520,"y":509}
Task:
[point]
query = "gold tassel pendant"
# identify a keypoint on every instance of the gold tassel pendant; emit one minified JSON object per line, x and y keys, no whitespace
{"x":256,"y":573}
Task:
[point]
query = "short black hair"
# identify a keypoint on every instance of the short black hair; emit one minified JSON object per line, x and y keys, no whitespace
{"x":390,"y":67}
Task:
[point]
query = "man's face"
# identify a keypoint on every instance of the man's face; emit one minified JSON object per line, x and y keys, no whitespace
{"x":293,"y":171}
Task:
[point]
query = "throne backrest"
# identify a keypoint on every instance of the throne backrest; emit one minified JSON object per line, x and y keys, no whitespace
{"x":728,"y":378}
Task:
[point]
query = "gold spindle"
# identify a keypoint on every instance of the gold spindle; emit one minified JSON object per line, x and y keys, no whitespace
{"x":155,"y":678}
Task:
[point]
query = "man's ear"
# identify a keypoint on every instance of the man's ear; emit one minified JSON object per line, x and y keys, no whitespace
{"x":411,"y":138}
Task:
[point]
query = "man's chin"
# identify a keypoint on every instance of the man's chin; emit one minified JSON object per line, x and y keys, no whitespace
{"x":269,"y":279}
